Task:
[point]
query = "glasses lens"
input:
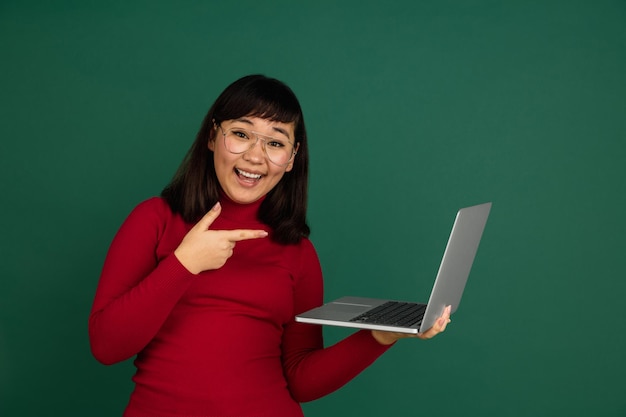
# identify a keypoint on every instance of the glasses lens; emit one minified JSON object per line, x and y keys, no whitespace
{"x":238,"y":140}
{"x":278,"y":150}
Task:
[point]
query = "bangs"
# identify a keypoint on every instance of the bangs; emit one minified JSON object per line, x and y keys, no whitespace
{"x":258,"y":97}
{"x":275,"y":112}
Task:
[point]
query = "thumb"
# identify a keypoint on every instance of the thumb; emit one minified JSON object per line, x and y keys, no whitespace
{"x":207,"y":220}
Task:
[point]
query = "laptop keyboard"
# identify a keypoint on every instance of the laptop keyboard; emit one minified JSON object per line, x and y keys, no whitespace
{"x":393,"y":313}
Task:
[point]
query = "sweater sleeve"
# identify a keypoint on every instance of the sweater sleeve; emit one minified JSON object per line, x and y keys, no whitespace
{"x":312,"y":370}
{"x":136,"y":291}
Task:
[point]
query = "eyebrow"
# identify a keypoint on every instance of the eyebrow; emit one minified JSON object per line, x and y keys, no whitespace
{"x":275,"y":128}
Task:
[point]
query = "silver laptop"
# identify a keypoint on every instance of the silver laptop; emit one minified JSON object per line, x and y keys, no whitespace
{"x":411,"y":317}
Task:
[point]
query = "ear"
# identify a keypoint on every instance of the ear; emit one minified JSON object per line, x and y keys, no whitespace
{"x":290,"y":166}
{"x":212,"y":136}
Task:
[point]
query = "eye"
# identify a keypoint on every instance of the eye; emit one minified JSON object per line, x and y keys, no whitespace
{"x":240,"y":134}
{"x":275,"y":143}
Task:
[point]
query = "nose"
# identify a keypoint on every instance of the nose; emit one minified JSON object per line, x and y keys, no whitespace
{"x":256,"y":152}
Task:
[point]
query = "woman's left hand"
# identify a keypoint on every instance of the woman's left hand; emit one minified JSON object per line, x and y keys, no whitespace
{"x":387,"y":338}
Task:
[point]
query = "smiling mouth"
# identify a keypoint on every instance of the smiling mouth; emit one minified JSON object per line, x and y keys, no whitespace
{"x":247,"y":175}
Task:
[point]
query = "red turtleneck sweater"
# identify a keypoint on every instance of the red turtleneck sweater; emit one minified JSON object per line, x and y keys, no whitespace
{"x":222,"y":343}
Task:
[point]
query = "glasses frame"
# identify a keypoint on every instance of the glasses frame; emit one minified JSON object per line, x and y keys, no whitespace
{"x":253,"y":144}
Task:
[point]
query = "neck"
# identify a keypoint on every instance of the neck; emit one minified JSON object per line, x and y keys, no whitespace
{"x":238,"y":211}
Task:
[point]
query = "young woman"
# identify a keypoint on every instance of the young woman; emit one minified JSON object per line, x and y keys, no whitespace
{"x":202,"y":284}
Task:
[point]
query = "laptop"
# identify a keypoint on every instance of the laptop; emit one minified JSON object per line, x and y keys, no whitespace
{"x":411,"y":317}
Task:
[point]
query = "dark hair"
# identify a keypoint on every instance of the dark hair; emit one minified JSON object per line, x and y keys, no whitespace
{"x":195,"y":187}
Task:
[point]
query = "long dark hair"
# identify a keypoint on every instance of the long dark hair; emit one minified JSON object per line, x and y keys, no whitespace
{"x":195,"y":187}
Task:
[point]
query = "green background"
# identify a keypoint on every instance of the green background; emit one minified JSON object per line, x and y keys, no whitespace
{"x":414,"y":109}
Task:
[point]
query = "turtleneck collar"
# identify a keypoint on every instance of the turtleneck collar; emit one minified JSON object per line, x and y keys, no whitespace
{"x":240,"y":212}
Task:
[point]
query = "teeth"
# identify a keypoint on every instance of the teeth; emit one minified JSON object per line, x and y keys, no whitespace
{"x":248,"y":174}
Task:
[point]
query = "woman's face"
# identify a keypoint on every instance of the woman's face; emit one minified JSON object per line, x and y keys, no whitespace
{"x":248,"y":176}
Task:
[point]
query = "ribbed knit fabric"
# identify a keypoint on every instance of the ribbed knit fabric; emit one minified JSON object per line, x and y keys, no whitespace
{"x":222,"y":343}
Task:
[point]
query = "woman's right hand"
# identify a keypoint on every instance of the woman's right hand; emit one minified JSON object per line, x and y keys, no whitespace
{"x":203,"y":249}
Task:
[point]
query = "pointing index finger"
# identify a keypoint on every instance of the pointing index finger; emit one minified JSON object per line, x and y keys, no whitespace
{"x":245,"y":234}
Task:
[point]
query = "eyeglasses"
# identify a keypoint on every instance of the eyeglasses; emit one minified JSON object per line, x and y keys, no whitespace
{"x":279,"y":151}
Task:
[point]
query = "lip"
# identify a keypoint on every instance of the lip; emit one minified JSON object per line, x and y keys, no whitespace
{"x":248,"y":177}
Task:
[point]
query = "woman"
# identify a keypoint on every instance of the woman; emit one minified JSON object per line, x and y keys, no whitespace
{"x":202,"y":284}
